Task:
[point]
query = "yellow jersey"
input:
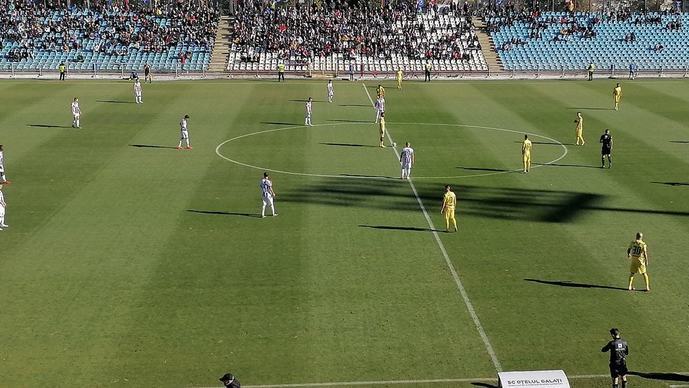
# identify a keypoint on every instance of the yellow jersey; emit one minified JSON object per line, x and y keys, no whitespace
{"x":526,"y":147}
{"x":637,"y":249}
{"x":449,"y":200}
{"x":580,"y":124}
{"x":617,"y":92}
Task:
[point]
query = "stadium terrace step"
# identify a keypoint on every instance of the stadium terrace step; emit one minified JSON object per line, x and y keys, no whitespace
{"x":487,"y":46}
{"x":221,"y":48}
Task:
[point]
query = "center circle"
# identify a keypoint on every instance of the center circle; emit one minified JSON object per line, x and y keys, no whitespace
{"x":355,"y":176}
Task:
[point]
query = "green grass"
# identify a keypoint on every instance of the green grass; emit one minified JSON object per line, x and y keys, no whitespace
{"x":144,"y":266}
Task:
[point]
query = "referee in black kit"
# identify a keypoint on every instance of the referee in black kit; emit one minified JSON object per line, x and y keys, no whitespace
{"x":618,"y":358}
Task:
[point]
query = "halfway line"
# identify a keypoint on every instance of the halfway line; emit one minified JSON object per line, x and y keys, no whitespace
{"x":453,"y":271}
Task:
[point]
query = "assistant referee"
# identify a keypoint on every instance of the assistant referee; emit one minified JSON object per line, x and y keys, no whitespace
{"x":618,"y":358}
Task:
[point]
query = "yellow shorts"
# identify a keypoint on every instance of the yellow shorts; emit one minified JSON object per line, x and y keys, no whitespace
{"x":449,"y":214}
{"x":526,"y":158}
{"x":617,"y":99}
{"x":638,"y":265}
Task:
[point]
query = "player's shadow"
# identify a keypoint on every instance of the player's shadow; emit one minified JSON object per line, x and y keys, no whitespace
{"x":305,"y":100}
{"x":152,"y":146}
{"x":672,"y":183}
{"x":666,"y":376}
{"x":547,"y":143}
{"x":222,"y":213}
{"x":47,"y":126}
{"x":348,"y":145}
{"x":278,"y":123}
{"x":357,"y":105}
{"x":568,"y":283}
{"x":486,"y":385}
{"x":566,"y":165}
{"x":115,"y":102}
{"x":403,"y":228}
{"x":489,"y":169}
{"x":680,"y":141}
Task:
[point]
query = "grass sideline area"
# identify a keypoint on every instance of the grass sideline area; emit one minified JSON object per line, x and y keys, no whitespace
{"x":130,"y":263}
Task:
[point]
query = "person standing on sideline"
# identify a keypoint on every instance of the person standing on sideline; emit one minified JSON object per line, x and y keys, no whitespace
{"x":63,"y":70}
{"x":307,"y":119}
{"x":76,"y":113}
{"x":617,"y":96}
{"x":147,"y":73}
{"x":281,"y":71}
{"x":427,"y":71}
{"x":591,"y":69}
{"x":407,"y":160}
{"x":638,"y":254}
{"x":606,"y":149}
{"x":379,"y":106}
{"x":184,"y":133}
{"x":331,"y":91}
{"x":619,"y":350}
{"x":138,"y":90}
{"x":268,"y":195}
{"x":526,"y":154}
{"x":399,"y":75}
{"x":448,"y":208}
{"x":382,"y":130}
{"x":3,"y":206}
{"x":3,"y":177}
{"x":632,"y":71}
{"x":579,"y":131}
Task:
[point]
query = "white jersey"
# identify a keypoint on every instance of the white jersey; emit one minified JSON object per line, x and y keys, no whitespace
{"x":183,"y":125}
{"x":330,"y":89}
{"x":308,"y":108}
{"x":380,"y":104}
{"x":266,"y":188}
{"x":137,"y":88}
{"x":406,"y":156}
{"x":76,"y":111}
{"x":2,"y":161}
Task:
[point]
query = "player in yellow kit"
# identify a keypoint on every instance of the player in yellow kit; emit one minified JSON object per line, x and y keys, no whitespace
{"x":526,"y":154}
{"x":380,"y":91}
{"x":399,"y":76}
{"x":448,"y":208}
{"x":638,"y":254}
{"x":617,"y":95}
{"x":382,"y":129}
{"x":579,"y":131}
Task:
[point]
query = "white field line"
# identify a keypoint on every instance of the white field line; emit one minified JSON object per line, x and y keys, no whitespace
{"x":451,"y":267}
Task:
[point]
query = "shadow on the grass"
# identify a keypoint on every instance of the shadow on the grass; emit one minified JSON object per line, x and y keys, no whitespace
{"x":568,"y":283}
{"x":222,"y":213}
{"x":591,"y":108}
{"x":666,"y":376}
{"x":351,"y":121}
{"x":486,"y":385}
{"x":152,"y":146}
{"x":349,"y":145}
{"x":357,"y":105}
{"x":505,"y":203}
{"x":47,"y":126}
{"x":547,"y":143}
{"x":672,"y":183}
{"x":566,"y":165}
{"x":485,"y":169}
{"x":279,"y":123}
{"x":680,"y":141}
{"x":404,"y":228}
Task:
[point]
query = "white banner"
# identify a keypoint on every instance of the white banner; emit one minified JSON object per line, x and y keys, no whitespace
{"x":533,"y":379}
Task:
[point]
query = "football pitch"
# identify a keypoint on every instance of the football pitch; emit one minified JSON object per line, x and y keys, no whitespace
{"x":131,"y":263}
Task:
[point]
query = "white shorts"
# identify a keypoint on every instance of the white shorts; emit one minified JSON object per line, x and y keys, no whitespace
{"x":185,"y":135}
{"x":76,"y":115}
{"x":268,"y":201}
{"x":2,"y":211}
{"x":138,"y":94}
{"x":406,"y":167}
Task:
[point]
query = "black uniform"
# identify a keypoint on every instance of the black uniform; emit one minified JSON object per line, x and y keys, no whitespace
{"x":606,"y":140}
{"x":618,"y":356}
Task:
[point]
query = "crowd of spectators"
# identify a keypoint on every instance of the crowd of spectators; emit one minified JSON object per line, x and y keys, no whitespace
{"x":110,"y":28}
{"x":351,"y":28}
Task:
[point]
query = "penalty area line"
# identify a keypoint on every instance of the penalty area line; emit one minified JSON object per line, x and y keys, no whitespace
{"x":455,"y":276}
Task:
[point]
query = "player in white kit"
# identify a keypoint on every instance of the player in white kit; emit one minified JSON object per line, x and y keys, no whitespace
{"x":3,"y":205}
{"x":331,"y":91}
{"x":138,"y":90}
{"x":3,"y":177}
{"x":380,"y":108}
{"x":407,"y":160}
{"x":76,"y":113}
{"x":268,"y":195}
{"x":307,"y":119}
{"x":184,"y":133}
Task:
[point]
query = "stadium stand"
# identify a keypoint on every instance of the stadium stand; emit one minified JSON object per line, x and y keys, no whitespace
{"x":344,"y":37}
{"x":561,"y":41}
{"x":107,"y":38}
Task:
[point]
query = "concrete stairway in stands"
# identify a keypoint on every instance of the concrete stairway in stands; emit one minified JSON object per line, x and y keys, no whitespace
{"x":487,"y":46}
{"x":221,"y":49}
